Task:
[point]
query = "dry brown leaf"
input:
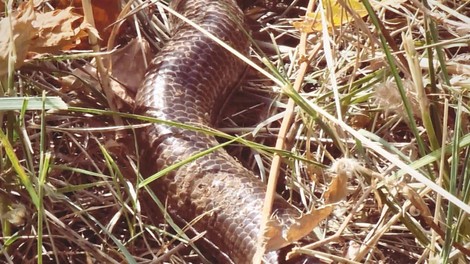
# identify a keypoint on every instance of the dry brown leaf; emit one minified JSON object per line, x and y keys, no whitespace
{"x":417,"y":201}
{"x":105,"y":13}
{"x":134,"y":57}
{"x":337,"y":190}
{"x":19,"y":32}
{"x":30,"y":31}
{"x":130,"y":58}
{"x":279,"y":235}
{"x":59,"y":30}
{"x":344,"y":169}
{"x":307,"y":223}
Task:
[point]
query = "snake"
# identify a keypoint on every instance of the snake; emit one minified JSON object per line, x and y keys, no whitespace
{"x":187,"y":82}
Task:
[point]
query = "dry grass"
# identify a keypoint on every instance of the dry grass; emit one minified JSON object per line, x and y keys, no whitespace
{"x":380,"y":97}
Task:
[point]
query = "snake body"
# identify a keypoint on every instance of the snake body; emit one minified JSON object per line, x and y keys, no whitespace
{"x":187,"y":82}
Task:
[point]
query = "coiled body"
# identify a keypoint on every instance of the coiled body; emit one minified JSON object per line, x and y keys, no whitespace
{"x":187,"y":82}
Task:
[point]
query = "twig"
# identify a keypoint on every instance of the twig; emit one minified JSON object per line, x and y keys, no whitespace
{"x":280,"y":143}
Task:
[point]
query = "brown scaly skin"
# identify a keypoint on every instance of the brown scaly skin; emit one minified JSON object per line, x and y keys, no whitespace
{"x":186,"y":83}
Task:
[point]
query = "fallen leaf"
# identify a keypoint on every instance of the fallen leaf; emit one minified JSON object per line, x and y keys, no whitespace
{"x":18,"y":35}
{"x":417,"y":201}
{"x":28,"y":31}
{"x":335,"y":12}
{"x":131,"y":58}
{"x":279,"y":234}
{"x":134,"y":57}
{"x":105,"y":13}
{"x":59,"y":30}
{"x":338,"y":189}
{"x":344,"y":168}
{"x":307,"y":223}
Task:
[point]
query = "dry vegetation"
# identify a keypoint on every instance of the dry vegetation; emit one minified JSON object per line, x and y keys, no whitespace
{"x":380,"y":131}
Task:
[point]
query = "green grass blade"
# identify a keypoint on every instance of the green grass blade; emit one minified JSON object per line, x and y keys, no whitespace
{"x":398,"y":79}
{"x":451,"y":229}
{"x":175,"y":166}
{"x":31,"y":103}
{"x":24,"y":178}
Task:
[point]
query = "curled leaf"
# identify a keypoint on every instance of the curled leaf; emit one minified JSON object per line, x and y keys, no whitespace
{"x":279,"y":234}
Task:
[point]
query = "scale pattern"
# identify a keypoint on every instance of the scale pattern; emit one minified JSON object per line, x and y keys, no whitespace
{"x":186,"y":83}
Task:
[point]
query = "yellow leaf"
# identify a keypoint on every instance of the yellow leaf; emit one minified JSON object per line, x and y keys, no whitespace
{"x":337,"y":13}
